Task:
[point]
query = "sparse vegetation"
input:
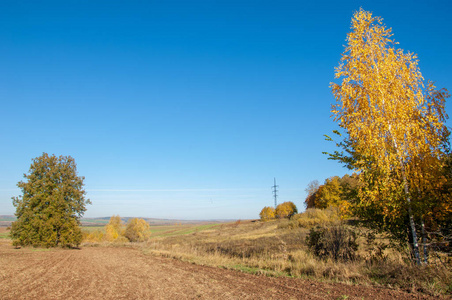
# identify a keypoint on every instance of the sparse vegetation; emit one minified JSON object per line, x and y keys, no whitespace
{"x":274,"y":249}
{"x":315,"y":217}
{"x":336,"y":242}
{"x":136,"y":230}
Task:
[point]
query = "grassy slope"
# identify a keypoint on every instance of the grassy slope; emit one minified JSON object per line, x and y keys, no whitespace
{"x":273,"y":249}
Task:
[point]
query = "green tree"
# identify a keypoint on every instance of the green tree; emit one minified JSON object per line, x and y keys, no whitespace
{"x":349,"y":185}
{"x":394,"y":128}
{"x":52,"y":202}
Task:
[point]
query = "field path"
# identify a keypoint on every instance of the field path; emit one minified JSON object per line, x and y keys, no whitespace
{"x":127,"y":273}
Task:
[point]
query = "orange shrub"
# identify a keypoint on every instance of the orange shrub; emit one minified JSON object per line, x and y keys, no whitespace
{"x":267,"y":213}
{"x":286,"y":210}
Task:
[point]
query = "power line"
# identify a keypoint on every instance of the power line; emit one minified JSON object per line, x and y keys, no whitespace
{"x":275,"y":192}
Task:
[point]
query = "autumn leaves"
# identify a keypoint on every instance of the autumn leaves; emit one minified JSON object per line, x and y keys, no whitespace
{"x":394,"y":129}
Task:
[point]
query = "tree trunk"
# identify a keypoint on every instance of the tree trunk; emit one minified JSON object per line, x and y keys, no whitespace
{"x":412,"y":224}
{"x":424,"y":242}
{"x":408,"y":200}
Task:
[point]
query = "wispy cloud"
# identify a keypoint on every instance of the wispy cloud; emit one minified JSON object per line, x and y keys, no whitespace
{"x":175,"y":190}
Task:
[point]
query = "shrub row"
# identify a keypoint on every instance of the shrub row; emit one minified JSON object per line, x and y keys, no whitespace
{"x":136,"y":230}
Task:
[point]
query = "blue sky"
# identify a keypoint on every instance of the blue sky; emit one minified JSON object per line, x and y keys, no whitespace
{"x":187,"y":109}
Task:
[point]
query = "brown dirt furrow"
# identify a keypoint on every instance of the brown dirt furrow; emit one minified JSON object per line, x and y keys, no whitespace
{"x":127,"y":273}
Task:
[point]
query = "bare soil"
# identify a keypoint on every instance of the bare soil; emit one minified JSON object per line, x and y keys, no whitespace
{"x":128,"y":273}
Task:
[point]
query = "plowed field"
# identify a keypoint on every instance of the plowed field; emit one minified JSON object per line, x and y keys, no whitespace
{"x":128,"y":273}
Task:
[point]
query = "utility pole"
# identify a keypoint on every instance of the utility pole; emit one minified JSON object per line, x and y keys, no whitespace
{"x":275,"y":191}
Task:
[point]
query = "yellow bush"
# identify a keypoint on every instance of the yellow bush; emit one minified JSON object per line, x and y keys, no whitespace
{"x":314,"y":217}
{"x":114,"y":229}
{"x":137,"y":230}
{"x":286,"y":210}
{"x":94,"y":236}
{"x":267,"y":213}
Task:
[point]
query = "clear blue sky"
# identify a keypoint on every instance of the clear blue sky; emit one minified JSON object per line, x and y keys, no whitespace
{"x":187,"y":109}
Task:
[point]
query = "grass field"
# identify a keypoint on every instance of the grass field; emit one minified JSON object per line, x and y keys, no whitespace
{"x":176,"y":230}
{"x":164,"y":230}
{"x":4,"y":235}
{"x":93,"y":228}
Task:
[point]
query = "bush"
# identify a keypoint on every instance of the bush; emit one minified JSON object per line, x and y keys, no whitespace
{"x":95,"y":236}
{"x":137,"y":230}
{"x":267,"y":213}
{"x":336,"y":242}
{"x":114,"y":230}
{"x":286,"y":210}
{"x":315,"y":217}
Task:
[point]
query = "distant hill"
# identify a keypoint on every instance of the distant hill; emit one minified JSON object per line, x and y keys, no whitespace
{"x":152,"y":221}
{"x":6,"y":220}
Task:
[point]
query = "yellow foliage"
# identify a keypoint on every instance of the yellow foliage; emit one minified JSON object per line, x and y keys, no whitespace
{"x":310,"y":200}
{"x":335,"y":192}
{"x":267,"y":213}
{"x":114,"y":229}
{"x":345,"y":210}
{"x":137,"y":230}
{"x":286,"y":209}
{"x":316,"y":217}
{"x":329,"y":194}
{"x":94,"y":236}
{"x":395,"y":124}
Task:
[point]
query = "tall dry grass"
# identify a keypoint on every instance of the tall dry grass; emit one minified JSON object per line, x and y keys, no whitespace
{"x":275,"y":248}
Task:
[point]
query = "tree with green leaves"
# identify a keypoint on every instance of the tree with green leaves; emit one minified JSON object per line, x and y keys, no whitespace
{"x":394,"y":128}
{"x":52,"y":202}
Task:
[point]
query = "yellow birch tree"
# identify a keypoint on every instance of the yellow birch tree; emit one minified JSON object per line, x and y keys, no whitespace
{"x":393,"y":122}
{"x":114,"y":229}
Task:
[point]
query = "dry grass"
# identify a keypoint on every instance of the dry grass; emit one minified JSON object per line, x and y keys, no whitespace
{"x":278,"y":248}
{"x":273,"y":249}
